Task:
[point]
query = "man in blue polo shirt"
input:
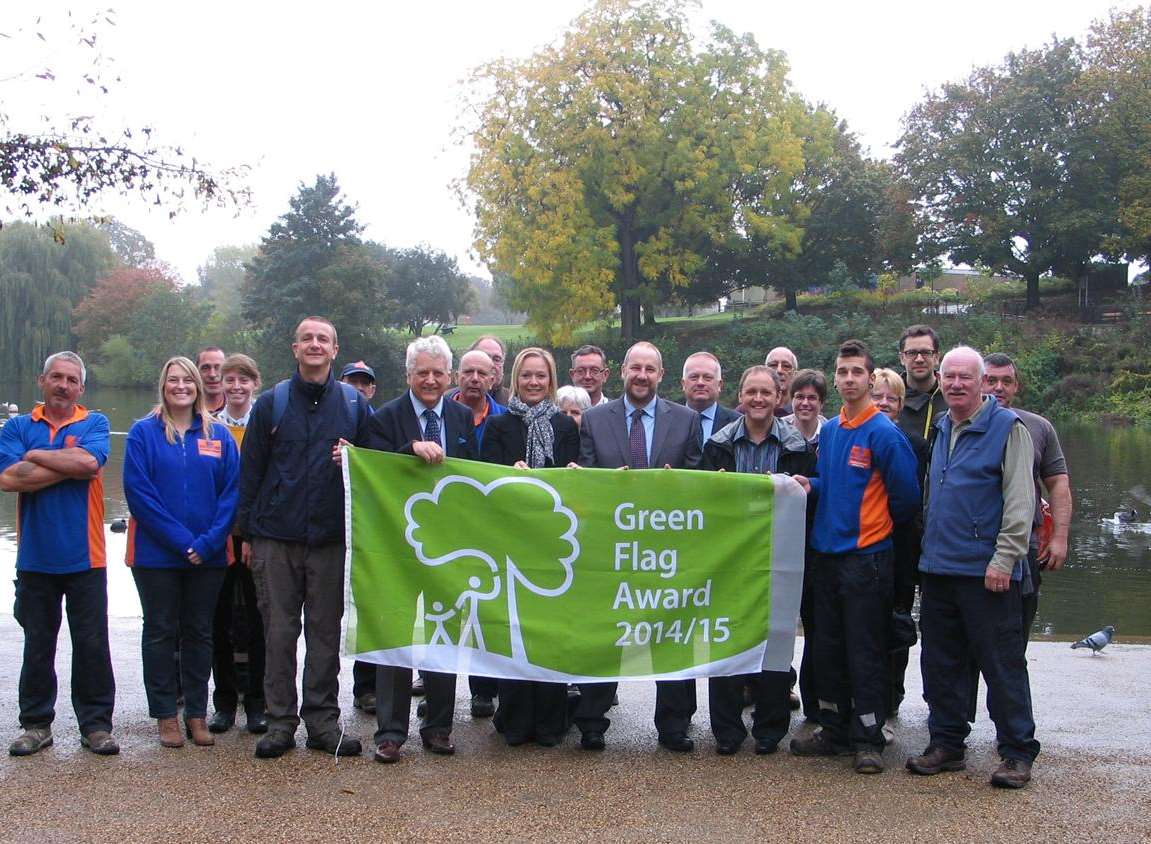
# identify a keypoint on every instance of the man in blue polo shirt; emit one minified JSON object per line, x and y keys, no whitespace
{"x":52,"y":457}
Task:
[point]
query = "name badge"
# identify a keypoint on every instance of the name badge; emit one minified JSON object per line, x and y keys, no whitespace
{"x":210,"y":448}
{"x":860,"y":457}
{"x":70,"y":441}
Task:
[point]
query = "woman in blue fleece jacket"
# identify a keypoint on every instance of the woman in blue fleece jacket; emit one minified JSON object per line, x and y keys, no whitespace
{"x":181,"y":471}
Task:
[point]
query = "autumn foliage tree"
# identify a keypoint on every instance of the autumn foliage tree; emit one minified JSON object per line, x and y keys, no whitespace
{"x":111,"y":305}
{"x":605,"y":165}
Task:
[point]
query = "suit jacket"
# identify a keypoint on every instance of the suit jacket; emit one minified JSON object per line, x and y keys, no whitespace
{"x":506,"y":440}
{"x":394,"y":427}
{"x":723,"y":417}
{"x":675,"y":441}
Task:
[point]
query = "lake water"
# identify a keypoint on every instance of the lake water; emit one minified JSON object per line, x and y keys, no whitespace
{"x":1106,"y":581}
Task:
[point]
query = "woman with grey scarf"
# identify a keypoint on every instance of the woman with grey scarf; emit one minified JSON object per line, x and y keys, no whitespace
{"x":533,"y":434}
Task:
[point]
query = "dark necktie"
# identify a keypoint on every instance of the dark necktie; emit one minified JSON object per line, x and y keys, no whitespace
{"x":431,"y":426}
{"x":637,"y":442}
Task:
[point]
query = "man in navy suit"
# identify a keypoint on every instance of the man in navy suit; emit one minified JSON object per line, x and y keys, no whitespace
{"x":640,"y":430}
{"x":423,"y":423}
{"x":702,"y":384}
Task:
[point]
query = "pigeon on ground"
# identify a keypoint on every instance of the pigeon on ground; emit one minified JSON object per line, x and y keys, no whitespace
{"x":1097,"y":641}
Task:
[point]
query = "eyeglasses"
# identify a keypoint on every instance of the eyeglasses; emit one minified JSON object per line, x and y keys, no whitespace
{"x":918,"y":353}
{"x":586,"y":371}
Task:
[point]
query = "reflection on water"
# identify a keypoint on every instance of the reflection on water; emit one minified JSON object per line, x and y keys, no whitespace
{"x":1107,"y":579}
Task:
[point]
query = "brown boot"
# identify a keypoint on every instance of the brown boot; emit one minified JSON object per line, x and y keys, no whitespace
{"x":170,"y":732}
{"x":199,"y":733}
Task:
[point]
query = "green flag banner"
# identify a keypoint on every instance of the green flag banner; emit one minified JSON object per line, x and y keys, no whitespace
{"x":570,"y":575}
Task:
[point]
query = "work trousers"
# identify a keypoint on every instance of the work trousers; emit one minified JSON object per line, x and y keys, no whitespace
{"x":38,"y":610}
{"x":853,"y":595}
{"x":394,"y":703}
{"x":363,"y":678}
{"x":531,"y":709}
{"x":675,"y":703}
{"x":807,"y":693}
{"x":771,"y":717}
{"x":238,"y":627}
{"x":293,"y":578}
{"x":962,"y":623}
{"x":176,"y":643}
{"x":488,"y":687}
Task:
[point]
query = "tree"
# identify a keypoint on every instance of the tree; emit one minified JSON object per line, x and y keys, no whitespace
{"x":131,"y":247}
{"x":111,"y":304}
{"x":1006,"y":168}
{"x":41,"y":281}
{"x":166,"y":322}
{"x":222,"y":283}
{"x":1117,"y":84}
{"x":72,"y":160}
{"x":427,"y":286}
{"x":284,"y":282}
{"x":604,"y":166}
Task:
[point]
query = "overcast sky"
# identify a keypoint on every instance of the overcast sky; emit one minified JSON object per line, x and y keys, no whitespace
{"x":370,"y":91}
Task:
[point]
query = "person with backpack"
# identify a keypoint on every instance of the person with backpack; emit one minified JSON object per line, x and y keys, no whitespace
{"x":291,"y":515}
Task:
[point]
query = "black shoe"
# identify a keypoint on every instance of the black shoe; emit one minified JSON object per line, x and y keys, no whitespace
{"x":335,"y":744}
{"x":257,"y":723}
{"x":422,"y":709}
{"x":482,"y":707}
{"x":275,"y":744}
{"x":727,"y":748}
{"x":222,"y":721}
{"x":548,"y":740}
{"x":869,"y":760}
{"x":678,"y":743}
{"x":365,"y":702}
{"x":765,"y":746}
{"x":592,"y":740}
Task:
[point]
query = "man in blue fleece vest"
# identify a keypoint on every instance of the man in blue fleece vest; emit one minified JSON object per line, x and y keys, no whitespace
{"x":977,"y":522}
{"x":867,"y":483}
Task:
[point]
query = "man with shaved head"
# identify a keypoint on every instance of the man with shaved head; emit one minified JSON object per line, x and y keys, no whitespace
{"x":977,"y":522}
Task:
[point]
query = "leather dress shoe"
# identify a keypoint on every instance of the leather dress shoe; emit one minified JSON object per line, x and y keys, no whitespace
{"x":387,"y":752}
{"x":482,"y":706}
{"x":257,"y":722}
{"x":678,"y":743}
{"x":439,"y":743}
{"x":765,"y":746}
{"x":592,"y":740}
{"x":365,"y":702}
{"x":222,"y":721}
{"x":727,"y":748}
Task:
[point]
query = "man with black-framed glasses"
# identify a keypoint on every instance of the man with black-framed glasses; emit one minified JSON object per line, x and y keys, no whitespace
{"x":924,"y":402}
{"x":590,"y":371}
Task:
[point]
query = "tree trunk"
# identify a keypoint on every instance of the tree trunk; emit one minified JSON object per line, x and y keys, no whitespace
{"x":649,"y":316}
{"x":791,"y":301}
{"x":629,"y":306}
{"x":1032,"y":290}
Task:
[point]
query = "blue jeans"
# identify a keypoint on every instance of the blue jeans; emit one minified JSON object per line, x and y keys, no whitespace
{"x":37,"y":609}
{"x":179,"y":606}
{"x":852,"y":594}
{"x":961,"y":621}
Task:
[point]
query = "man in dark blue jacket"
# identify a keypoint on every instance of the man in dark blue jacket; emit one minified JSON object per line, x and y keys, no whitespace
{"x":424,"y":423}
{"x":291,"y":515}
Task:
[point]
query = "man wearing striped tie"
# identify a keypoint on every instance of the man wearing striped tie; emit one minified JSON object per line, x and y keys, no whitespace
{"x":639,"y":430}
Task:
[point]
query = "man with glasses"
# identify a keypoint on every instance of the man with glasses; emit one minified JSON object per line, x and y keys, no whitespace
{"x":589,"y":370}
{"x":924,"y":402}
{"x":785,"y":363}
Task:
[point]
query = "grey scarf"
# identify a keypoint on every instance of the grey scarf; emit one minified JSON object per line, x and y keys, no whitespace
{"x":541,"y":436}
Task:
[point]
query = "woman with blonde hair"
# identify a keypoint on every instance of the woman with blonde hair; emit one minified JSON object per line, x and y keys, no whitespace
{"x":533,"y":434}
{"x":181,"y":471}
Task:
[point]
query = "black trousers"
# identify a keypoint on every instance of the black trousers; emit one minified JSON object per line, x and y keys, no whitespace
{"x":530,"y":709}
{"x":178,"y":606}
{"x":853,"y":596}
{"x":485,"y":686}
{"x":807,"y":693}
{"x":37,"y":610}
{"x":962,"y":622}
{"x":238,"y":626}
{"x":771,"y":717}
{"x":363,"y":678}
{"x":675,"y":703}
{"x":394,"y":703}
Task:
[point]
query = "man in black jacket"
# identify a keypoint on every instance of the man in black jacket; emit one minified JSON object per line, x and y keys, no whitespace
{"x":423,"y":423}
{"x":702,"y":384}
{"x":291,"y":515}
